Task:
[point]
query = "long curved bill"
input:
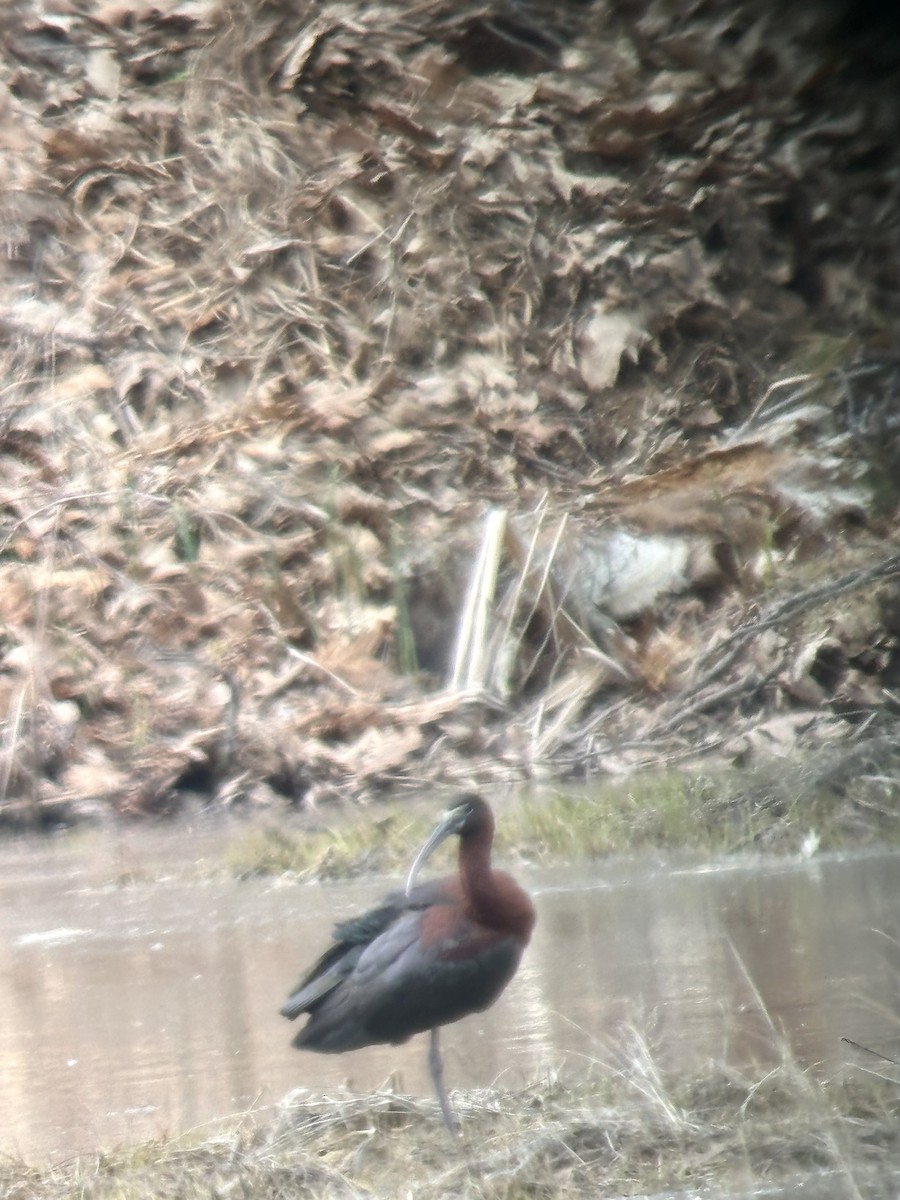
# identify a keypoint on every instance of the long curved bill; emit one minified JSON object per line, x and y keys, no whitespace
{"x":449,"y":824}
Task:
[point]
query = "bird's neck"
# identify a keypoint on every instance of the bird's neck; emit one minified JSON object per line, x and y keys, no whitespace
{"x":477,"y":874}
{"x":494,"y":899}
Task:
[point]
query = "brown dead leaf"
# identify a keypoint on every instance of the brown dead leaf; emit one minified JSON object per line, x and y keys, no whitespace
{"x":351,"y":658}
{"x":487,"y":382}
{"x":379,"y":751}
{"x":15,"y":594}
{"x":331,"y":405}
{"x":104,"y":73}
{"x":85,"y":380}
{"x":118,"y":13}
{"x":392,"y":440}
{"x":336,"y":722}
{"x":603,"y":340}
{"x":94,"y":777}
{"x":87,"y":583}
{"x":69,"y":145}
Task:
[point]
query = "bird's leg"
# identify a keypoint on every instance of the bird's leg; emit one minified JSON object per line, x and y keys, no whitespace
{"x":436,"y":1066}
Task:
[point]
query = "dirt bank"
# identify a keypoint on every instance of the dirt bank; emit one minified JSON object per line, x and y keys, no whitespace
{"x":396,"y":395}
{"x":636,"y":1134}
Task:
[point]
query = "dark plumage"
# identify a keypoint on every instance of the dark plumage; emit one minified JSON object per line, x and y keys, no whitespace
{"x":423,"y":958}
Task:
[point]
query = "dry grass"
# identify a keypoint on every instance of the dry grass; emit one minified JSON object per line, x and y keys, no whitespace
{"x":623,"y":1130}
{"x":342,"y":849}
{"x":830,"y":803}
{"x":292,"y":293}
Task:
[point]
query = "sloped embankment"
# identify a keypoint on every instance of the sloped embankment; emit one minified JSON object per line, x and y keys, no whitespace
{"x":353,"y":350}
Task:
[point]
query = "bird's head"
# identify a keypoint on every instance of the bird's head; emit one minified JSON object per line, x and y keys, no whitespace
{"x":469,"y":815}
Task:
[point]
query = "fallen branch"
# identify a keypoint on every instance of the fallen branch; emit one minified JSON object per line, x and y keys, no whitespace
{"x":783,"y":612}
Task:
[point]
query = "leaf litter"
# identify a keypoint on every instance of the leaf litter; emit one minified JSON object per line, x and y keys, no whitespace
{"x":302,"y":300}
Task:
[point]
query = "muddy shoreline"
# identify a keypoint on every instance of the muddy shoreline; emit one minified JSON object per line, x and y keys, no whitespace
{"x":726,"y":1133}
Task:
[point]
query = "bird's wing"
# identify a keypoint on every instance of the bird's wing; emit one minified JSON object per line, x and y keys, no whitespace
{"x":363,"y":928}
{"x":367,"y":926}
{"x":351,"y":938}
{"x":401,"y":984}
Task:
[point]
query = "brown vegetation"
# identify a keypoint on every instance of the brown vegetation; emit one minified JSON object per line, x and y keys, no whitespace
{"x":295,"y":294}
{"x":723,"y":1133}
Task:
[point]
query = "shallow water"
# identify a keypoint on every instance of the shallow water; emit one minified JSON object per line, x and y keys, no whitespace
{"x":133,"y":1010}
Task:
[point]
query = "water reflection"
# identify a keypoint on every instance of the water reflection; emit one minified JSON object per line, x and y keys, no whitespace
{"x":149,"y":1008}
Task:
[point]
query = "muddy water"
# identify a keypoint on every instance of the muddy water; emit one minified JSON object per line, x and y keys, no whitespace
{"x":133,"y":1008}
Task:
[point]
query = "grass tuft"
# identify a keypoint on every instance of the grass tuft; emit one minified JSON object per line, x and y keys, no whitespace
{"x":340,"y":851}
{"x":624,"y":1129}
{"x":776,"y":808}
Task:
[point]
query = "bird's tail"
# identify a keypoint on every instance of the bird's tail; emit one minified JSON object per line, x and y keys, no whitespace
{"x":293,"y":1006}
{"x":306,"y":996}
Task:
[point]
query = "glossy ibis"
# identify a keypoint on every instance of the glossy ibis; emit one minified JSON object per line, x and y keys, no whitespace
{"x":424,"y":957}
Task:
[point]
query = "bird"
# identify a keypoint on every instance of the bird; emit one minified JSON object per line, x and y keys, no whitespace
{"x":427,"y":955}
